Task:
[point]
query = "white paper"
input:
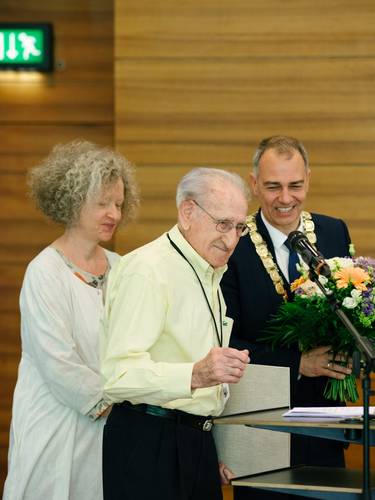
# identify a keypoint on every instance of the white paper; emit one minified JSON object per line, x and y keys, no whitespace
{"x":329,"y":412}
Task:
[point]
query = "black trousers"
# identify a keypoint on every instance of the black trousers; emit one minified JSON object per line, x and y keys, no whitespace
{"x":150,"y":457}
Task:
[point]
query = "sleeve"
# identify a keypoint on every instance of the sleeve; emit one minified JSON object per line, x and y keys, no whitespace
{"x":243,"y":336}
{"x":230,"y":289}
{"x":134,"y":322}
{"x":346,"y":236}
{"x":48,"y":337}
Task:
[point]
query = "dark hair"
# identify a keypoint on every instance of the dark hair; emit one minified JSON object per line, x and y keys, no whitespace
{"x":283,"y":145}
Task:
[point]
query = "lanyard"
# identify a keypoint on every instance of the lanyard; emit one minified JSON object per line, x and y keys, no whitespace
{"x":219,"y":337}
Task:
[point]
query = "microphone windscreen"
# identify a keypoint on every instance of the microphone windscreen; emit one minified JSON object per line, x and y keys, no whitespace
{"x":294,"y":238}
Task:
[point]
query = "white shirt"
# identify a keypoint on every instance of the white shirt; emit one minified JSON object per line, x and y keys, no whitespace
{"x":281,"y":250}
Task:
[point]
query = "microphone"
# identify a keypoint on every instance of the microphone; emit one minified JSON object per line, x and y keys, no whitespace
{"x":314,"y":259}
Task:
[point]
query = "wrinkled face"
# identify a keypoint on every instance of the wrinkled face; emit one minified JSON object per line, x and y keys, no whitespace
{"x":281,"y":187}
{"x":100,"y":217}
{"x":223,"y":202}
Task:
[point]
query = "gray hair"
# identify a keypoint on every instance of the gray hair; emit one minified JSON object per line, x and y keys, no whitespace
{"x":76,"y":172}
{"x":197,"y":183}
{"x":283,"y":145}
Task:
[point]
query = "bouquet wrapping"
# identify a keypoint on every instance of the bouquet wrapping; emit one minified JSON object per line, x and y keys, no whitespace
{"x":309,"y":320}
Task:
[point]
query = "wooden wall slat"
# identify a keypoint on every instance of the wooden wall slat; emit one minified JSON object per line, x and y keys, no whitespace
{"x":9,"y":323}
{"x":229,"y":75}
{"x":223,"y":153}
{"x":234,"y":28}
{"x":40,"y":102}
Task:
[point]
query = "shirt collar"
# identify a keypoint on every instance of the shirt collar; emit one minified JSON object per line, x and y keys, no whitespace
{"x":278,"y":237}
{"x":203,"y":268}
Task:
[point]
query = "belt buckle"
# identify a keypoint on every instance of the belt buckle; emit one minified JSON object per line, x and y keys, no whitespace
{"x":207,"y":425}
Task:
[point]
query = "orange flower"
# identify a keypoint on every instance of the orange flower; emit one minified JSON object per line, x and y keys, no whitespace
{"x":351,"y":275}
{"x":297,"y":283}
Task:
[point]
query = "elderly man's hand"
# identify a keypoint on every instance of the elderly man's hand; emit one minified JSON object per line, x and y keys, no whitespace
{"x":222,"y":364}
{"x":225,"y":473}
{"x":319,"y":362}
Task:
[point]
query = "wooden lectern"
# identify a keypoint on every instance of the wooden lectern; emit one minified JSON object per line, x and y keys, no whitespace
{"x":253,"y":440}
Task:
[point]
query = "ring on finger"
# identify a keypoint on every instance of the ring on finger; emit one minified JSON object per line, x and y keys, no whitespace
{"x":329,"y":365}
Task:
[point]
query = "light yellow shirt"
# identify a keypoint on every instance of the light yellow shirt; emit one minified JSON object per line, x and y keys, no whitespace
{"x":157,"y":324}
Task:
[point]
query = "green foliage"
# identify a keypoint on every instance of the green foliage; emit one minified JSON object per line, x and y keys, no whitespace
{"x":310,"y":321}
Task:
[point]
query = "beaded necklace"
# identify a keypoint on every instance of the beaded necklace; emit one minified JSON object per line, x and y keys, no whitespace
{"x":266,"y":256}
{"x":96,"y":281}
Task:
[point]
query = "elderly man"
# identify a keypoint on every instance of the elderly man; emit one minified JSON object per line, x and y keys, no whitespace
{"x":165,"y":359}
{"x":258,"y":277}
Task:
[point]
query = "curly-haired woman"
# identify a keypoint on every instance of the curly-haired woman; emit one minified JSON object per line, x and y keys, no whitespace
{"x":58,"y":406}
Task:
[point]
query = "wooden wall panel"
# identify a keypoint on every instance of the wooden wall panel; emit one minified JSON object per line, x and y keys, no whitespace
{"x":36,"y":112}
{"x":236,"y":28}
{"x":201,"y":83}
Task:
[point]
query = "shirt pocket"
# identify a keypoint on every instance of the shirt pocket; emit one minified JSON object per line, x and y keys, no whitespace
{"x":227,"y":324}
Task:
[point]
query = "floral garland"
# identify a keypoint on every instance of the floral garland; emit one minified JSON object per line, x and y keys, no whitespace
{"x":266,"y":256}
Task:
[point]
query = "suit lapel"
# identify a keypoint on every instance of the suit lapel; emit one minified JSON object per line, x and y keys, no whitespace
{"x":265,"y":235}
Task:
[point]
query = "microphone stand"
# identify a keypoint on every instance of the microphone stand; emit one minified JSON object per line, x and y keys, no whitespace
{"x":367,"y":350}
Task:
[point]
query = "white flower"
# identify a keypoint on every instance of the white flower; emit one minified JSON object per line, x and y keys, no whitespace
{"x":309,"y":289}
{"x":323,"y":280}
{"x":352,"y":301}
{"x":356,"y":294}
{"x":337,"y":263}
{"x":349,"y":303}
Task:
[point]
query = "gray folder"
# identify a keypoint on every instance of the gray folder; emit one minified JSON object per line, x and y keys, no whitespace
{"x":246,"y":450}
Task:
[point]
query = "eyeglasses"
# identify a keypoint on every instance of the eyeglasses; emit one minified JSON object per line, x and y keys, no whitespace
{"x":225,"y":225}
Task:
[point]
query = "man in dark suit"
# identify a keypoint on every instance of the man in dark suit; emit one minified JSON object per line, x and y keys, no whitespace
{"x":257,"y":281}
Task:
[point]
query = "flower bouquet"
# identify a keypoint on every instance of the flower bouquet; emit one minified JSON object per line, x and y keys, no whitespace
{"x":352,"y":284}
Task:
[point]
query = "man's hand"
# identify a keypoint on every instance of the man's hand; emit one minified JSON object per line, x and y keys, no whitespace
{"x":106,"y":412}
{"x":222,"y":364}
{"x":319,"y":362}
{"x":225,"y":473}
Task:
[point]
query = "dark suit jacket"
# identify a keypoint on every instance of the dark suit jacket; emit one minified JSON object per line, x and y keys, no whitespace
{"x":251,"y":299}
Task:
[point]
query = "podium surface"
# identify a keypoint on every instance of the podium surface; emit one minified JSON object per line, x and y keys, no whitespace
{"x":341,"y":429}
{"x":275,"y":418}
{"x":314,"y":482}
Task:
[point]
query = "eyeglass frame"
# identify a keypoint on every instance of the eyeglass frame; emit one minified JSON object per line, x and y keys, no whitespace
{"x":241,"y":228}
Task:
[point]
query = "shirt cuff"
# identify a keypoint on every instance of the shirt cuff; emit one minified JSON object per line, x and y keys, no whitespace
{"x":97,"y":411}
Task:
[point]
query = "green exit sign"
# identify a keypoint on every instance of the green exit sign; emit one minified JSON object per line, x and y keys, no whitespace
{"x":26,"y":46}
